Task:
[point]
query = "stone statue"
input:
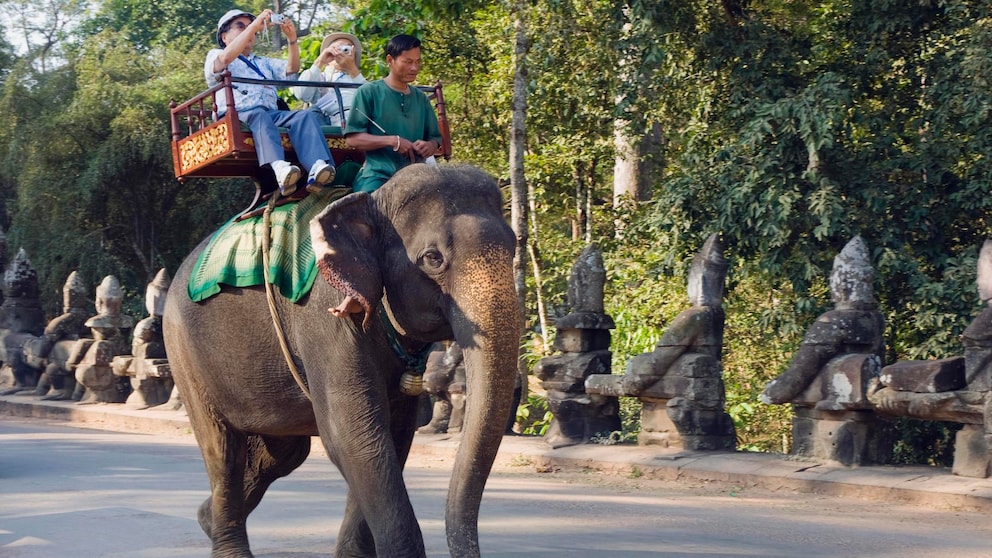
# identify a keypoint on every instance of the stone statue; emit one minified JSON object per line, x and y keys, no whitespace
{"x":21,"y":321}
{"x":52,"y":351}
{"x":954,"y":389}
{"x":444,"y":380}
{"x":583,"y":337}
{"x":147,"y":365}
{"x":698,"y":329}
{"x":854,"y":327}
{"x":829,"y":377}
{"x":111,"y":330}
{"x":680,"y":383}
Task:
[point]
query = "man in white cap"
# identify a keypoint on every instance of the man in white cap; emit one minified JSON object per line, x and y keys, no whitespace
{"x":257,"y":104}
{"x":339,"y":62}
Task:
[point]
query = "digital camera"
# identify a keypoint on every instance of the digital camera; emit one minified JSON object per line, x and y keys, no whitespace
{"x":277,"y":19}
{"x":346,"y":49}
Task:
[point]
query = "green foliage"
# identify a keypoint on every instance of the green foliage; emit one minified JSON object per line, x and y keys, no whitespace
{"x":920,"y":442}
{"x":533,"y":417}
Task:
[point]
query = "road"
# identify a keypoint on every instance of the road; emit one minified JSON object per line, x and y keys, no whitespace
{"x":83,"y":493}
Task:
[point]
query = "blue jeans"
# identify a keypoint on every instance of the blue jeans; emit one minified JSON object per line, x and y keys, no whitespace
{"x":304,"y":133}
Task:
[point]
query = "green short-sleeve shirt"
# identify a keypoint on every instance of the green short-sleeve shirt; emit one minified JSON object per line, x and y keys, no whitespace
{"x":409,"y":116}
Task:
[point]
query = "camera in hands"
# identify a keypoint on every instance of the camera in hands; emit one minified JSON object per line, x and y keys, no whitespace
{"x":277,"y":19}
{"x":346,"y":49}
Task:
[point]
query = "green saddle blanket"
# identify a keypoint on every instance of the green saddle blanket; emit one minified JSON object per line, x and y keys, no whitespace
{"x":234,"y":254}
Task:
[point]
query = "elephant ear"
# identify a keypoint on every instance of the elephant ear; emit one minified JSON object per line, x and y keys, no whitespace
{"x":343,"y":238}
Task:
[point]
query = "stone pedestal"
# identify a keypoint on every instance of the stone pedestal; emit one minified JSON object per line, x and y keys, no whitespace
{"x":578,"y":416}
{"x":684,"y":408}
{"x":150,"y":379}
{"x":845,"y":437}
{"x":971,"y":452}
{"x":834,"y":419}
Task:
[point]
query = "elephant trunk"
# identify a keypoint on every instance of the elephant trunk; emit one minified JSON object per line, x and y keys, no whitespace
{"x":489,"y":334}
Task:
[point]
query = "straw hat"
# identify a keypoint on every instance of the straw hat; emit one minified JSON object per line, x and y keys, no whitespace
{"x":354,"y":40}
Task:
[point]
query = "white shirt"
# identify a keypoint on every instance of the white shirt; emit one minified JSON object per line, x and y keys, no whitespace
{"x":326,"y":98}
{"x":247,"y":95}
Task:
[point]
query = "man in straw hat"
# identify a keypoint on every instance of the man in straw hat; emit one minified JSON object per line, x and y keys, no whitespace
{"x":257,"y":104}
{"x":339,"y":62}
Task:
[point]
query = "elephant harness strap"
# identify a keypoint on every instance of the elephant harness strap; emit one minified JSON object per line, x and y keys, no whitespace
{"x":271,"y":297}
{"x":412,"y":380}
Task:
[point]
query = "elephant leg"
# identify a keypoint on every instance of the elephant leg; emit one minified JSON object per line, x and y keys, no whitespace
{"x":355,"y":539}
{"x":225,"y":455}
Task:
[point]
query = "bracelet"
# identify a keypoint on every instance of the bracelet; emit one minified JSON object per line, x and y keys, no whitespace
{"x":291,"y":43}
{"x":397,"y":148}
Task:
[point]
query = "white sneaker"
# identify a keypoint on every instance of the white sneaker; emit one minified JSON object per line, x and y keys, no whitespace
{"x":287,"y":176}
{"x":320,"y":174}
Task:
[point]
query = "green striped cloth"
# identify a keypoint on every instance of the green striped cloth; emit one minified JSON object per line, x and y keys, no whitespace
{"x":234,"y":254}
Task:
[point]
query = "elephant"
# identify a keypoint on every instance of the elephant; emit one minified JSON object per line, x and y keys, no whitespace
{"x":425,"y":258}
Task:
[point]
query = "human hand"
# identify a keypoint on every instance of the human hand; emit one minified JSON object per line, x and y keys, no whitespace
{"x":288,"y":29}
{"x":425,"y":148}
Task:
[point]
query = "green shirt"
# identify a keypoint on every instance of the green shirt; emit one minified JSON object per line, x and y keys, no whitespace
{"x":409,"y":116}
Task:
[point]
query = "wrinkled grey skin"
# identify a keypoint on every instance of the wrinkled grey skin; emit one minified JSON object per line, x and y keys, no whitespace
{"x":436,"y":243}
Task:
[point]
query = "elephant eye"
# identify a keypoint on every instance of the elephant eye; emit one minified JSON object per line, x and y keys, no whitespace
{"x":432,"y":258}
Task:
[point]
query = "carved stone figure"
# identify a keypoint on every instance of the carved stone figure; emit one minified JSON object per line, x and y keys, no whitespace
{"x":854,"y":326}
{"x":54,"y":349}
{"x":444,"y":380}
{"x":680,"y":383}
{"x":827,"y":379}
{"x":21,"y":320}
{"x":954,"y":389}
{"x":110,"y":335}
{"x":147,"y":365}
{"x":583,"y":337}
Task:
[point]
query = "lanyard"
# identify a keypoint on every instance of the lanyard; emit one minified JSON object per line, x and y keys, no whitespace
{"x":251,"y":65}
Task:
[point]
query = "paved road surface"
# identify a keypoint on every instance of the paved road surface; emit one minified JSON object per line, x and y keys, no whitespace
{"x":69,"y":492}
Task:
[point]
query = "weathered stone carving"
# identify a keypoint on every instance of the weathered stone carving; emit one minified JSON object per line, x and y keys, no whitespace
{"x":111,"y":330}
{"x":827,"y":379}
{"x":147,"y":367}
{"x":680,"y":383}
{"x":444,"y":380}
{"x":52,"y":352}
{"x":953,"y":389}
{"x":583,"y":337}
{"x":21,"y":320}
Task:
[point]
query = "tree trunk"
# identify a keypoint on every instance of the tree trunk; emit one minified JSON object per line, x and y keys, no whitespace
{"x":518,"y":182}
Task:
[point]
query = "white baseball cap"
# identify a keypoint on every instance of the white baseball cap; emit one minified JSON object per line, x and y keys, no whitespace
{"x":226,"y":18}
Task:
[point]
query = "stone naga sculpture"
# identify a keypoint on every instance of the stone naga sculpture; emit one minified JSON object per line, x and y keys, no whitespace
{"x":444,"y":379}
{"x":854,"y":327}
{"x":954,"y":389}
{"x":829,"y":377}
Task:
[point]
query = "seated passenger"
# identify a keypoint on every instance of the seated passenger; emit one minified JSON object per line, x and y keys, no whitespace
{"x":392,"y":120}
{"x":339,"y":62}
{"x":257,"y":104}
